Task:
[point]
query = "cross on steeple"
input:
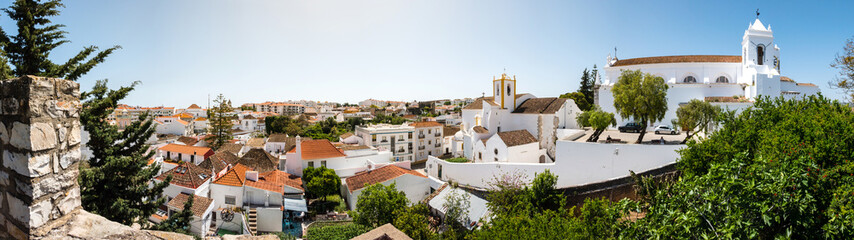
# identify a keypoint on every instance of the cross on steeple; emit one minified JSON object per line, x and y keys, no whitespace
{"x":757,"y":13}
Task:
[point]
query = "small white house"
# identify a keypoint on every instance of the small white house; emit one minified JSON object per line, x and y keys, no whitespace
{"x":414,"y":184}
{"x":186,"y":178}
{"x":279,"y":144}
{"x":512,"y":146}
{"x":172,"y":125}
{"x":350,"y":138}
{"x":179,"y":152}
{"x":203,"y":210}
{"x":346,"y":160}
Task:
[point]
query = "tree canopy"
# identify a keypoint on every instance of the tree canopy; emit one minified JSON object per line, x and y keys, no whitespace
{"x":220,"y":125}
{"x":640,"y":96}
{"x":844,"y":62}
{"x":598,"y":120}
{"x":588,"y":82}
{"x":697,"y":116}
{"x":320,"y":182}
{"x":378,"y":204}
{"x":580,"y":100}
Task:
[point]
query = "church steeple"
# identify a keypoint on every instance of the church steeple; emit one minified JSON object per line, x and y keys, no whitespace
{"x":504,"y":91}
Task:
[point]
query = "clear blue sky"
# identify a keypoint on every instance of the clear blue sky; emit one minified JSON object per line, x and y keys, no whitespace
{"x":348,"y":51}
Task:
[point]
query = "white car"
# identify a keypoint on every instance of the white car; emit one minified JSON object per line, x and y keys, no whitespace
{"x":664,"y":129}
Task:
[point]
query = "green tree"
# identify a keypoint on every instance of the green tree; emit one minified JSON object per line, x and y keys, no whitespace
{"x":29,"y":50}
{"x":640,"y":96}
{"x":697,"y":116}
{"x":844,"y":62}
{"x":377,"y":204}
{"x":580,"y":100}
{"x":780,"y":169}
{"x":179,"y":222}
{"x":219,"y":118}
{"x":598,"y":120}
{"x":336,"y":232}
{"x":586,"y":87}
{"x":457,"y":204}
{"x":321,"y":182}
{"x":115,"y":184}
{"x":413,"y":221}
{"x":543,"y":194}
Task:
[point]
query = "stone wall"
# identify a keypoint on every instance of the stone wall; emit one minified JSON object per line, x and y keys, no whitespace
{"x":40,"y":145}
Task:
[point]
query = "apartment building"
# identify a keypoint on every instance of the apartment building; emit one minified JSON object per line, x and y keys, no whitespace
{"x":428,"y":140}
{"x":398,"y":139}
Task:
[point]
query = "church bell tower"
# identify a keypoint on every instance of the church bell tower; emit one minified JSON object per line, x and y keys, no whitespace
{"x":504,"y":91}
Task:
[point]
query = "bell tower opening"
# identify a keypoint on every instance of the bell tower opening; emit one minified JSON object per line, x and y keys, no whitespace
{"x":760,"y":54}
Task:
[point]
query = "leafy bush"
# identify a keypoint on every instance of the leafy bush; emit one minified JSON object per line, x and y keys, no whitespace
{"x":457,"y":160}
{"x":336,"y":232}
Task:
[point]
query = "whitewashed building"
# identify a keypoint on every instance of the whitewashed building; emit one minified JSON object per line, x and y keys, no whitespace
{"x":412,"y":183}
{"x":428,"y":141}
{"x":730,"y":81}
{"x":345,"y":160}
{"x":399,"y":139}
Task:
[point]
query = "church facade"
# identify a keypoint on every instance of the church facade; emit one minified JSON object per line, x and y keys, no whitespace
{"x":544,"y":119}
{"x":730,"y":81}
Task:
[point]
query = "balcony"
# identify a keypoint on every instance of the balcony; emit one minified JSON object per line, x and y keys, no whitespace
{"x":384,"y":141}
{"x":420,"y":135}
{"x":422,"y":147}
{"x":437,"y":145}
{"x":401,"y":150}
{"x":438,"y":134}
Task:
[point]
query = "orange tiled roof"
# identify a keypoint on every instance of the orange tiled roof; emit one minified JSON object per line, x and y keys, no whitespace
{"x":360,"y":180}
{"x":786,"y":79}
{"x":200,"y":204}
{"x":318,"y":149}
{"x":805,"y":84}
{"x":678,"y":59}
{"x":426,"y":124}
{"x":184,"y":149}
{"x":194,"y":106}
{"x":186,"y":175}
{"x":235,"y":176}
{"x":275,"y":181}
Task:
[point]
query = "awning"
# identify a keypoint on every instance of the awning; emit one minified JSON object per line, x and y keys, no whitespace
{"x":296,"y":205}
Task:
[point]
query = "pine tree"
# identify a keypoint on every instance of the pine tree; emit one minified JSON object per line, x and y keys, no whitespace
{"x":586,"y":86}
{"x":28,"y":51}
{"x":115,"y":183}
{"x":220,"y":122}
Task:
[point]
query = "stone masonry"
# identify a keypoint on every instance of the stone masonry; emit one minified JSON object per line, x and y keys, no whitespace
{"x":40,"y":145}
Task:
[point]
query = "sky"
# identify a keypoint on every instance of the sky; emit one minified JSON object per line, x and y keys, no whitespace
{"x":182,"y":51}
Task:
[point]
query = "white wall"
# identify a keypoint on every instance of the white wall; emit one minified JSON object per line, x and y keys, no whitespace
{"x":416,"y":189}
{"x":219,"y":191}
{"x":578,"y":163}
{"x":269,"y":219}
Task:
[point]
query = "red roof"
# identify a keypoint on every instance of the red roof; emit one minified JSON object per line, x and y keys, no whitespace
{"x":235,"y":176}
{"x":200,"y":204}
{"x":360,"y":180}
{"x":426,"y":124}
{"x":678,"y":59}
{"x":319,"y":149}
{"x":186,"y":175}
{"x":275,"y":181}
{"x":191,"y":150}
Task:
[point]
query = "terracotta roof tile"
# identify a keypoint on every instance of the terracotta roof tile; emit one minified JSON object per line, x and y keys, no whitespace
{"x":678,"y":59}
{"x":191,"y":150}
{"x":384,"y":232}
{"x":480,"y":129}
{"x":255,"y":143}
{"x":233,"y":148}
{"x":235,"y":176}
{"x":186,"y":175}
{"x":277,"y":137}
{"x":346,"y":135}
{"x":786,"y":79}
{"x":219,"y":161}
{"x":188,"y":140}
{"x":275,"y":181}
{"x":259,"y":160}
{"x":806,"y":84}
{"x":319,"y":149}
{"x":360,"y":180}
{"x":194,"y":106}
{"x":450,"y":130}
{"x":540,"y":105}
{"x":425,"y":124}
{"x":200,"y":204}
{"x":518,"y":137}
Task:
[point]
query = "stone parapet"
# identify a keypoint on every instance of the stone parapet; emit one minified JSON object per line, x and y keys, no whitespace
{"x":40,"y":145}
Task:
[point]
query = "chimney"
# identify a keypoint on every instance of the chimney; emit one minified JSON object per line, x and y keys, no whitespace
{"x":298,"y":148}
{"x":252,"y":176}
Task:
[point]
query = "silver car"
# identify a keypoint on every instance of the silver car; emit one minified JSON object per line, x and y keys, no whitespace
{"x":664,"y":129}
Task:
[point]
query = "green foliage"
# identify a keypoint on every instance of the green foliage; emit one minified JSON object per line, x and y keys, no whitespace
{"x":580,"y":100}
{"x":457,"y":160}
{"x":377,"y":204}
{"x":115,"y":184}
{"x":179,"y":222}
{"x":640,"y":96}
{"x":588,"y":81}
{"x":326,"y":129}
{"x":543,"y":194}
{"x":286,"y":125}
{"x":28,"y":51}
{"x":247,"y":108}
{"x":336,"y":232}
{"x":456,"y":207}
{"x":697,"y":115}
{"x":781,"y":169}
{"x":413,"y":222}
{"x":598,"y":120}
{"x":219,"y":118}
{"x":283,"y":236}
{"x":844,"y":62}
{"x":321,"y":181}
{"x":390,"y":119}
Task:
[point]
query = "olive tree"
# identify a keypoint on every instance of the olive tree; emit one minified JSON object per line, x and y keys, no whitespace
{"x":696,"y":116}
{"x":598,"y":120}
{"x":640,"y":96}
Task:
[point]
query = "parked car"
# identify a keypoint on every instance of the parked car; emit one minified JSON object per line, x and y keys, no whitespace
{"x":631,"y":127}
{"x":664,"y":129}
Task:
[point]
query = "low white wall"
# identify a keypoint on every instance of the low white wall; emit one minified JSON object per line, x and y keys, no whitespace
{"x":576,"y":164}
{"x":269,"y":219}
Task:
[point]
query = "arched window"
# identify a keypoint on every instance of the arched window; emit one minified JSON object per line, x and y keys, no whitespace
{"x":690,"y":79}
{"x":760,"y":54}
{"x":722,"y":79}
{"x":508,"y":90}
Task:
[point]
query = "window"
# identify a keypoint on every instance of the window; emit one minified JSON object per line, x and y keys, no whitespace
{"x":496,"y":151}
{"x":760,"y":54}
{"x":690,"y":79}
{"x":323,"y":163}
{"x":410,"y":135}
{"x":722,"y":79}
{"x":480,"y":156}
{"x":429,"y":131}
{"x":311,"y":163}
{"x":508,"y":89}
{"x":230,"y":199}
{"x":373,"y":137}
{"x":168,"y":155}
{"x":179,"y":156}
{"x":193,"y":158}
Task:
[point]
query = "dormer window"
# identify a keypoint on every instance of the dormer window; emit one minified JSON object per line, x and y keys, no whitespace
{"x":760,"y":54}
{"x":722,"y":79}
{"x":690,"y":79}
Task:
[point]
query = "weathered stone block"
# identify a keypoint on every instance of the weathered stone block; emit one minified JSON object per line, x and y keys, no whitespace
{"x":63,"y":133}
{"x":10,"y":106}
{"x":4,"y":180}
{"x":20,"y":135}
{"x":53,"y":184}
{"x":74,"y":134}
{"x":36,"y":137}
{"x":70,"y":202}
{"x":4,"y":134}
{"x":26,"y":164}
{"x":70,"y":157}
{"x":16,"y":232}
{"x":33,"y":215}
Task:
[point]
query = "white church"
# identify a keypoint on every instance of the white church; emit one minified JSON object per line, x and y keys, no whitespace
{"x":732,"y":82}
{"x":513,"y":127}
